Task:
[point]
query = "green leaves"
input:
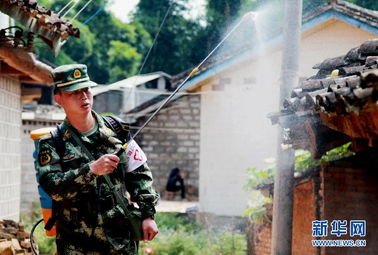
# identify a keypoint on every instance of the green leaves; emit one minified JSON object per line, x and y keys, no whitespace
{"x":257,"y":177}
{"x":257,"y":209}
{"x":181,"y":236}
{"x":257,"y":203}
{"x":176,"y":48}
{"x":123,"y":60}
{"x":111,"y":49}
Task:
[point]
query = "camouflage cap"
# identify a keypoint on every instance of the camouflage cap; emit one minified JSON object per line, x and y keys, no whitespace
{"x":72,"y":77}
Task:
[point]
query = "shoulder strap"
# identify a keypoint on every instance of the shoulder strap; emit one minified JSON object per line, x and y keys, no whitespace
{"x":57,"y":138}
{"x":113,"y":188}
{"x":114,"y":123}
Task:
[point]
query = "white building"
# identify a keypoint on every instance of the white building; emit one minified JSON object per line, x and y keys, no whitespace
{"x":239,"y":93}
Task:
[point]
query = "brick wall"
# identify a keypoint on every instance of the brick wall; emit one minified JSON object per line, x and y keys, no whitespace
{"x":29,"y":191}
{"x":350,"y":192}
{"x":260,"y":236}
{"x":304,"y":214}
{"x":263,"y":239}
{"x":172,"y":140}
{"x":10,"y":141}
{"x":344,"y":190}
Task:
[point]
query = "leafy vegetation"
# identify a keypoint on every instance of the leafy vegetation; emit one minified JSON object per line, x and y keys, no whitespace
{"x":256,"y":211}
{"x":46,"y":245}
{"x":112,"y":50}
{"x":259,"y":177}
{"x":178,"y":235}
{"x":181,"y":236}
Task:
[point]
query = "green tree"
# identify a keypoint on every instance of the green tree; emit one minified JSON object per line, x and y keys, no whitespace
{"x":122,"y":55}
{"x":176,"y":48}
{"x":310,"y":5}
{"x":220,"y":14}
{"x":368,"y":4}
{"x":99,"y":40}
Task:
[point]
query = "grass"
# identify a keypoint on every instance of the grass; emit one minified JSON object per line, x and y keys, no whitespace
{"x":181,"y":236}
{"x":178,"y":235}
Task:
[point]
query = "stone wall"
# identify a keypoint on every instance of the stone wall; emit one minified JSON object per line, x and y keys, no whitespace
{"x":109,"y":102}
{"x":172,"y":140}
{"x":10,"y":147}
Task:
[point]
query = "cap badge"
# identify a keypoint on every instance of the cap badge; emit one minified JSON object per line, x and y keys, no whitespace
{"x":77,"y":74}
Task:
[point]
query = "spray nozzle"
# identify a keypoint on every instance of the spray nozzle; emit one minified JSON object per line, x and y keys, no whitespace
{"x":193,"y":72}
{"x":250,"y":15}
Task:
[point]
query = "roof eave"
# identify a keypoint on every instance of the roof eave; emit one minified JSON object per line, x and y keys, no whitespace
{"x":27,"y":64}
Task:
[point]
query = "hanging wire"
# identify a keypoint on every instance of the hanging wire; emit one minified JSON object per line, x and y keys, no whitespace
{"x":156,"y":36}
{"x":149,"y":51}
{"x":65,"y":7}
{"x":178,"y":130}
{"x":82,"y":9}
{"x":192,"y":73}
{"x":179,"y":93}
{"x":96,"y":13}
{"x":73,"y":6}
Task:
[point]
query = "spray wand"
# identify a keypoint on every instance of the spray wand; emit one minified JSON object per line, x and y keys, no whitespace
{"x":190,"y":75}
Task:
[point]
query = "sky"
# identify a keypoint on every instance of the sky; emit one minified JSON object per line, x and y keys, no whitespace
{"x":121,"y":8}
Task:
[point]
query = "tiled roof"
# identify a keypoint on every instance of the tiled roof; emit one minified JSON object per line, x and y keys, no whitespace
{"x":337,"y":105}
{"x":352,"y":90}
{"x":46,"y":24}
{"x":364,"y":15}
{"x":26,"y":10}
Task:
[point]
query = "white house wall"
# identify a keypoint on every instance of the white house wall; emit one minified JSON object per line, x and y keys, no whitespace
{"x":235,"y":131}
{"x":236,"y":134}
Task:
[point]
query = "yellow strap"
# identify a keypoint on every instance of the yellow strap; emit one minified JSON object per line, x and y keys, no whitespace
{"x":38,"y":133}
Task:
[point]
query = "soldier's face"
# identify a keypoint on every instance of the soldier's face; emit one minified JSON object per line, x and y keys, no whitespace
{"x":78,"y":101}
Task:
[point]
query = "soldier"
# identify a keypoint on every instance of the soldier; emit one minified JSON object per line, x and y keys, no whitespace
{"x":88,"y":218}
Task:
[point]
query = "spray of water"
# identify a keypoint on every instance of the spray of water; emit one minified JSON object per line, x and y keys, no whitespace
{"x":235,"y":132}
{"x":248,"y":16}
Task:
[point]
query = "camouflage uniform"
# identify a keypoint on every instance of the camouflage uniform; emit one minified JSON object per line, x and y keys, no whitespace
{"x":89,"y":221}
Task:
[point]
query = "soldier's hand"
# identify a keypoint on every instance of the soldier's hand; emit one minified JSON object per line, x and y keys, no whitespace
{"x":104,"y":165}
{"x":149,"y":228}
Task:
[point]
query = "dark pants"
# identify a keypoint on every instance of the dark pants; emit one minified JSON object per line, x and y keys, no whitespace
{"x":176,"y":187}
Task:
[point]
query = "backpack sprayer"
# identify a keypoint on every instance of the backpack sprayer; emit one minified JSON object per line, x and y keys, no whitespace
{"x":46,"y":201}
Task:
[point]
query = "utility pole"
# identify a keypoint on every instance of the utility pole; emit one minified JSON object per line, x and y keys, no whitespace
{"x":284,"y":176}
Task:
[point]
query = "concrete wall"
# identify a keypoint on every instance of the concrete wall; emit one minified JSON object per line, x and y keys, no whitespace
{"x":10,"y":148}
{"x":235,"y":131}
{"x":172,"y":140}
